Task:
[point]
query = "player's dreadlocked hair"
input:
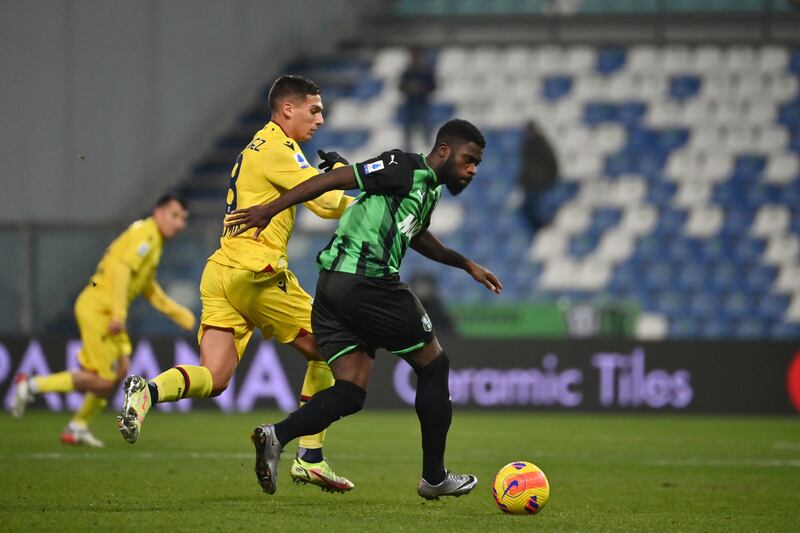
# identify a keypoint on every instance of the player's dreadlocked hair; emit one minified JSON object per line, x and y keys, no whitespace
{"x":458,"y":131}
{"x":290,"y":85}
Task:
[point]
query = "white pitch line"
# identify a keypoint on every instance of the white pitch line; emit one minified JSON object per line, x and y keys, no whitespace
{"x":724,"y":463}
{"x":133,"y":455}
{"x":786,"y":445}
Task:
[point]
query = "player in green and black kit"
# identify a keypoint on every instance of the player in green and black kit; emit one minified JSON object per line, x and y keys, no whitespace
{"x":361,"y":304}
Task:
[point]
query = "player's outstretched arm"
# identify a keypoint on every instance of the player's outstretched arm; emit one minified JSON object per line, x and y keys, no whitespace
{"x":259,"y":216}
{"x":432,"y":248}
{"x":169,"y":307}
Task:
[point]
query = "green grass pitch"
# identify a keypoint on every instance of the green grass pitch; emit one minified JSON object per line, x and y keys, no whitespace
{"x":607,"y":472}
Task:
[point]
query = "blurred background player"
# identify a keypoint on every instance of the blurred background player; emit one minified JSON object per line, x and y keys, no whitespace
{"x":127,"y":270}
{"x":361,"y":304}
{"x":247,"y":282}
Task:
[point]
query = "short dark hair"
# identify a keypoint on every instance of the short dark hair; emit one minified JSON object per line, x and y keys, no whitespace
{"x":458,"y":131}
{"x":291,"y":85}
{"x":171,"y":197}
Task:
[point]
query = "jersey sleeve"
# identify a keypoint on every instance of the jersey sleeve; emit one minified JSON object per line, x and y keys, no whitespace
{"x":390,"y":174}
{"x":286,"y":168}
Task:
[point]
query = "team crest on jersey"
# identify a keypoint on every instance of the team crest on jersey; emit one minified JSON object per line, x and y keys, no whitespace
{"x":301,"y":161}
{"x":373,"y":167}
{"x":426,"y":323}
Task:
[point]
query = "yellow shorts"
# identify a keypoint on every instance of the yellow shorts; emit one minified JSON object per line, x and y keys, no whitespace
{"x":101,"y":351}
{"x":241,"y":300}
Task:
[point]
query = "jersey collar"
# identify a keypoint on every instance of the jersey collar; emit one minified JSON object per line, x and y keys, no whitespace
{"x":435,"y":176}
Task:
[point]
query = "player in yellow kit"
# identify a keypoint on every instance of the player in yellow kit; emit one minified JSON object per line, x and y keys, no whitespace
{"x":247,"y":283}
{"x":127,"y":270}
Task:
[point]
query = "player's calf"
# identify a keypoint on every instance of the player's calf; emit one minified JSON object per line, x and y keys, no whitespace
{"x":23,"y":395}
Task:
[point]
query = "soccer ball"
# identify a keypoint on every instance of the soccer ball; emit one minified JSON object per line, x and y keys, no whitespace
{"x":521,"y":488}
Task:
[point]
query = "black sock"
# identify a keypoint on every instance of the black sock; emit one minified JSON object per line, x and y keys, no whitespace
{"x":435,"y":411}
{"x":311,"y":455}
{"x":153,"y":392}
{"x":323,"y":409}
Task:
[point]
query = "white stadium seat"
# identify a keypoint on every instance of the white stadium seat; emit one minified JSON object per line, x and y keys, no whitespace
{"x":782,"y":249}
{"x":771,"y":219}
{"x":782,"y":168}
{"x":704,"y":221}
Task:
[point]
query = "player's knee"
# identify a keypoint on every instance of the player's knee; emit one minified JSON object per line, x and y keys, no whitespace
{"x":351,"y":397}
{"x":438,"y":368}
{"x":218,"y":388}
{"x":105,"y":387}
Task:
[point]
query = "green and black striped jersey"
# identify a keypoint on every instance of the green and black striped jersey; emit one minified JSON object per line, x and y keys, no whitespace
{"x":398,"y":194}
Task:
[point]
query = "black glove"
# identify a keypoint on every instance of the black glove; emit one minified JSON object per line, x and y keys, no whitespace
{"x":329,"y":159}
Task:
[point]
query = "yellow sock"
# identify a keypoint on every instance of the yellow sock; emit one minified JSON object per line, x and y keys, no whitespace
{"x":318,"y":377}
{"x":58,"y":382}
{"x":92,"y":406}
{"x":183,"y":381}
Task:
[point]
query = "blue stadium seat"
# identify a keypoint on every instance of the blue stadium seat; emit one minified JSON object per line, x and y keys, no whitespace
{"x":683,"y":87}
{"x":671,"y":221}
{"x":736,"y":305}
{"x":751,"y":329}
{"x":583,"y":244}
{"x":648,"y":249}
{"x":693,"y":276}
{"x":685,"y":249}
{"x":772,"y":306}
{"x":717,"y":250}
{"x":660,"y":193}
{"x":631,"y":113}
{"x":794,"y":139}
{"x":789,"y":113}
{"x":717,"y":328}
{"x":703,"y":305}
{"x":749,"y":250}
{"x":610,"y":60}
{"x":794,"y":62}
{"x":749,"y":166}
{"x":685,"y":328}
{"x":672,"y":303}
{"x":784,"y":330}
{"x":556,"y":87}
{"x":761,"y":277}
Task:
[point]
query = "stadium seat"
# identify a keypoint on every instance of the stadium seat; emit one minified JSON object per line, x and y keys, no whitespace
{"x":679,"y":167}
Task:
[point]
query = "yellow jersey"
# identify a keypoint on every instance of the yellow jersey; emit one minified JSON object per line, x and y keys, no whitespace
{"x":271,"y":164}
{"x":139,"y":248}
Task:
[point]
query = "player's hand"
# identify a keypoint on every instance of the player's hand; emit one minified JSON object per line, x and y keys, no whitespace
{"x":329,"y":159}
{"x":485,"y":277}
{"x":115,"y":327}
{"x":257,"y":216}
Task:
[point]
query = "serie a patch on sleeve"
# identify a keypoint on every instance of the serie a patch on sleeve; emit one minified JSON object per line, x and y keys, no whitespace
{"x":373,"y":167}
{"x":301,"y":161}
{"x":143,"y":249}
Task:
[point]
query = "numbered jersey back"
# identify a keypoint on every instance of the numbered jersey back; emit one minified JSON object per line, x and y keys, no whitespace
{"x":269,"y":165}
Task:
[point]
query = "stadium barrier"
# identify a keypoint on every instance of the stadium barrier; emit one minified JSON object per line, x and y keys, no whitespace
{"x":558,"y":375}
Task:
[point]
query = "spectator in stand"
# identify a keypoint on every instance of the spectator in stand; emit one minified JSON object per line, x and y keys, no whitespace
{"x":538,"y":172}
{"x":417,"y":84}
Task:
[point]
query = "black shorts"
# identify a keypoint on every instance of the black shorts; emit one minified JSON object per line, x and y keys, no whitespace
{"x":357,"y":312}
